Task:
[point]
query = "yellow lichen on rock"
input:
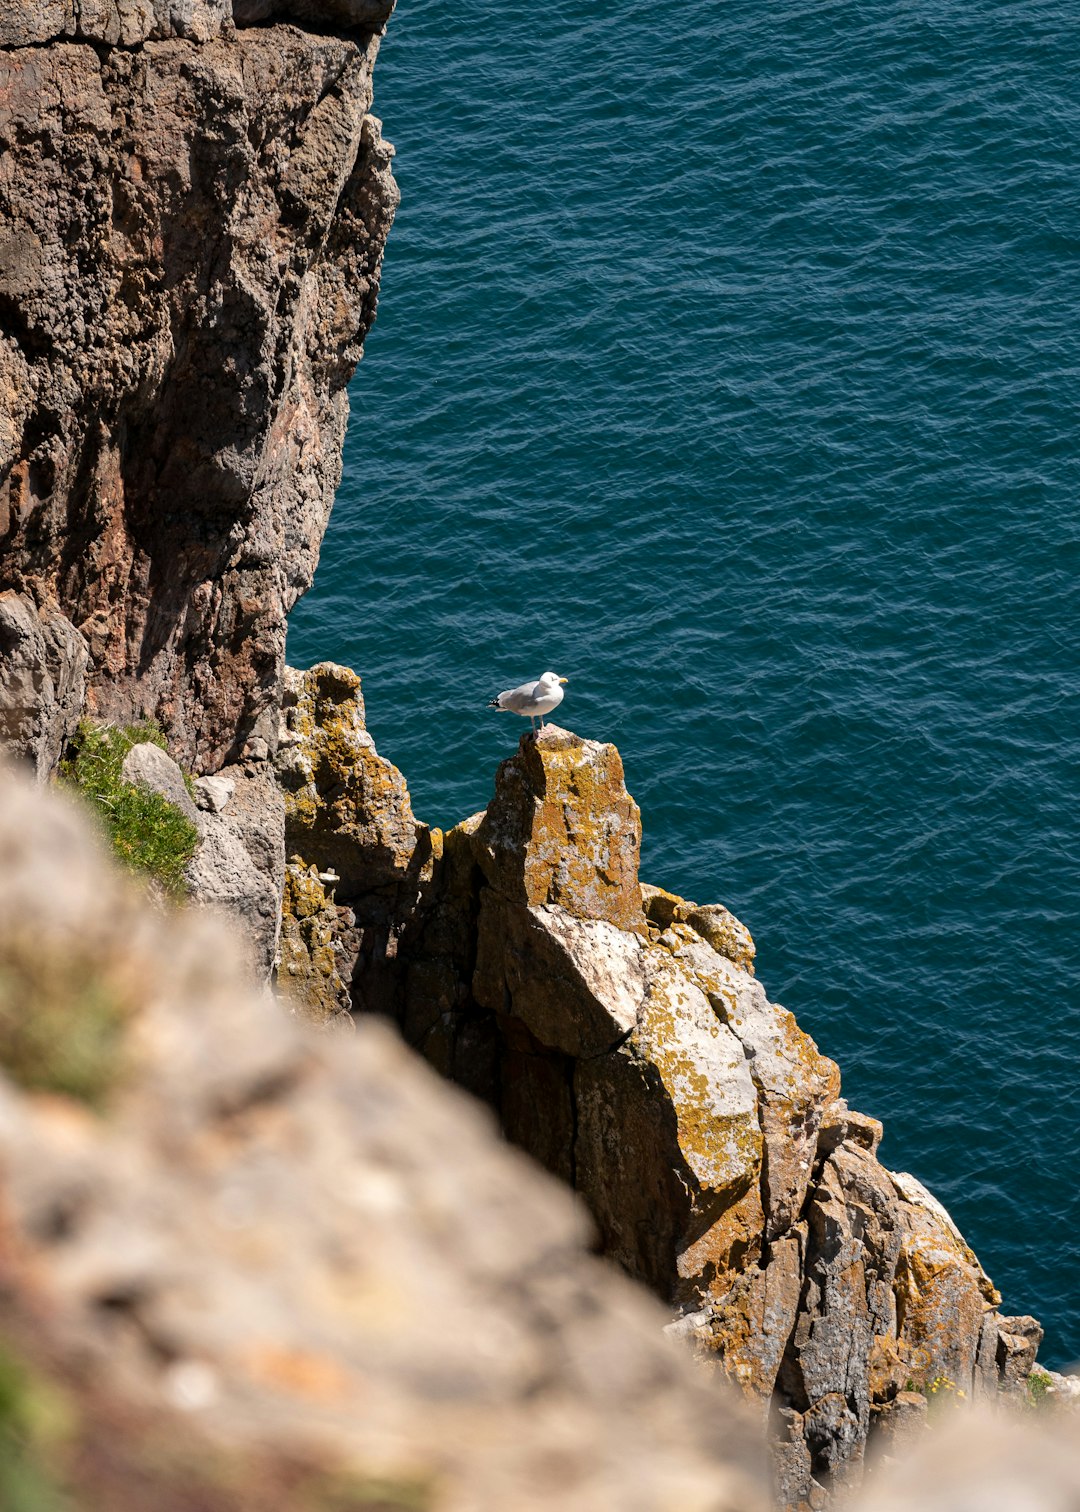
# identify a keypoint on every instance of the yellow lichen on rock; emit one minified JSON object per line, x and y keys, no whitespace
{"x":703,"y":1069}
{"x":345,"y":806}
{"x":562,"y":829}
{"x":714,"y":923}
{"x":308,"y":969}
{"x":942,"y":1292}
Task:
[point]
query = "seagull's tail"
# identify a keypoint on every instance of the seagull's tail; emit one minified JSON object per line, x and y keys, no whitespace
{"x":494,"y":703}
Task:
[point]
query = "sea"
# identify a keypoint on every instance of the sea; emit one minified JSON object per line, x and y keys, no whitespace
{"x":727,"y":363}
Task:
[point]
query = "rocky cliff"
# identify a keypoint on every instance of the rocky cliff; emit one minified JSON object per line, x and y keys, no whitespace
{"x":194,"y":201}
{"x":193,"y":209}
{"x":243,"y":1266}
{"x":622,"y":1037}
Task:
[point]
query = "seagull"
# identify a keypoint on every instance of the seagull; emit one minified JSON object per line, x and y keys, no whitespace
{"x":533,"y":699}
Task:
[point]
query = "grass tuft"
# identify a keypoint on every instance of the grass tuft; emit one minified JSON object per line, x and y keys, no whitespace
{"x":148,"y":834}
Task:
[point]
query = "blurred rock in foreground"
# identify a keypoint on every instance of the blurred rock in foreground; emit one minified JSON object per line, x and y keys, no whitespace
{"x":246,"y":1264}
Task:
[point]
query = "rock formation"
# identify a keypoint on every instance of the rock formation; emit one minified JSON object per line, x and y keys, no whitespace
{"x":194,"y":198}
{"x":621,"y":1035}
{"x":293,"y":1271}
{"x":192,"y":219}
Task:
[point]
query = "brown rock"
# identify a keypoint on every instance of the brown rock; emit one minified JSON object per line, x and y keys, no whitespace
{"x":111,"y":22}
{"x":795,"y":1082}
{"x":312,"y":957}
{"x":662,"y":908}
{"x":839,"y":1125}
{"x":316,"y":1250}
{"x":852,"y":1252}
{"x":193,"y":230}
{"x":750,"y":1326}
{"x":716,"y":925}
{"x":720,"y":929}
{"x":562,"y":829}
{"x":899,"y":1423}
{"x":704,"y":1071}
{"x":576,"y":984}
{"x":345,"y":806}
{"x":1017,"y":1345}
{"x":941,"y":1294}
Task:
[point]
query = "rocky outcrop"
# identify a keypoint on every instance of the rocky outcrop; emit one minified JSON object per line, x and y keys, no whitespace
{"x":624,"y":1040}
{"x":193,"y":205}
{"x":293,"y":1271}
{"x":192,"y":219}
{"x":42,"y":680}
{"x":239,"y":867}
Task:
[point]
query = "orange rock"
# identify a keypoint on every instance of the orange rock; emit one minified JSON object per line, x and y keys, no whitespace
{"x":562,"y":829}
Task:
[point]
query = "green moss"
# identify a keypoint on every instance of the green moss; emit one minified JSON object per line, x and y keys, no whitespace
{"x":1038,"y":1384}
{"x":148,"y":834}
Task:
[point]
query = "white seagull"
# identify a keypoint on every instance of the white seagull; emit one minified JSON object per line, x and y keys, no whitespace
{"x":532,"y":699}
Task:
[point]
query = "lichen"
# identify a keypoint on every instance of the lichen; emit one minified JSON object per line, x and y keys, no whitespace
{"x":308,"y":969}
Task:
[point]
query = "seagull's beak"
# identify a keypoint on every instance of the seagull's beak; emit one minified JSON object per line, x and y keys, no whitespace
{"x":564,"y":679}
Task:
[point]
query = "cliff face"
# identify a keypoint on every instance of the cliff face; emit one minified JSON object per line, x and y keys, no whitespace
{"x":284,"y":1270}
{"x":192,"y":219}
{"x":621,"y":1035}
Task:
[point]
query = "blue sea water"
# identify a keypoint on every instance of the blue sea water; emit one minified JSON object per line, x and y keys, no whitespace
{"x":726,"y":363}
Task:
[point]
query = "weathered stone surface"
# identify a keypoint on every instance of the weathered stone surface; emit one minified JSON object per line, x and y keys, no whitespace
{"x":899,"y":1423}
{"x":576,"y":984}
{"x":716,"y":925}
{"x":123,"y":22}
{"x":213,"y":793}
{"x":192,"y":231}
{"x":42,"y":681}
{"x":703,"y":1128}
{"x":562,"y":829}
{"x":147,"y":765}
{"x":314,"y":971}
{"x":913,"y":1191}
{"x":1017,"y":1345}
{"x":316,"y":1250}
{"x":840,"y":1125}
{"x":726,"y":934}
{"x":345,"y":806}
{"x":852,"y":1252}
{"x":749,"y":1327}
{"x":239,"y":866}
{"x":704,"y":1071}
{"x":942,"y":1293}
{"x":795,"y":1082}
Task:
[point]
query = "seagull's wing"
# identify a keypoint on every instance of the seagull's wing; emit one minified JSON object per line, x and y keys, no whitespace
{"x":517,"y":700}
